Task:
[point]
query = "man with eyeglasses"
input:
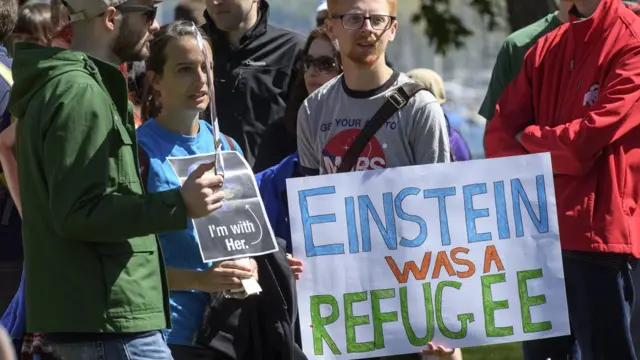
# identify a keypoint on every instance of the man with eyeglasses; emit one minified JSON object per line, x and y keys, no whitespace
{"x":333,"y":116}
{"x":95,"y":279}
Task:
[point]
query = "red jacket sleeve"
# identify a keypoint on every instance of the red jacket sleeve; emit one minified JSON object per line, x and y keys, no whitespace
{"x":575,"y":146}
{"x":513,"y":113}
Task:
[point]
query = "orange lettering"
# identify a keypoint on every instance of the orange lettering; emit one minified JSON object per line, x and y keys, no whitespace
{"x":442,"y":260}
{"x":409,"y":267}
{"x":465,"y":262}
{"x":491,"y":255}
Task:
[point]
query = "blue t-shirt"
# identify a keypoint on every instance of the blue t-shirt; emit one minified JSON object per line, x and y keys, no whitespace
{"x":180,"y":248}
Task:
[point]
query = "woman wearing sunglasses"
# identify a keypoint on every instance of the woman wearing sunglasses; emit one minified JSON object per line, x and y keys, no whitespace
{"x":318,"y":63}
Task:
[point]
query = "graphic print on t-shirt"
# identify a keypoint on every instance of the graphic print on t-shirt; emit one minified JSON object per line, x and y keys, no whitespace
{"x":371,"y":158}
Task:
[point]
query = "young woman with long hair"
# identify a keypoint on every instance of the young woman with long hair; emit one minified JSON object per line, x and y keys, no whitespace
{"x":176,"y":92}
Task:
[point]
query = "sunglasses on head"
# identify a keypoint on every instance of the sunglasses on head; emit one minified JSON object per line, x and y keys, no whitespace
{"x":321,"y":63}
{"x":149,"y":12}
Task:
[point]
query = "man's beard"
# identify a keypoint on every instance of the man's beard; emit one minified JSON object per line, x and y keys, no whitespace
{"x":127,"y":46}
{"x":365,"y":58}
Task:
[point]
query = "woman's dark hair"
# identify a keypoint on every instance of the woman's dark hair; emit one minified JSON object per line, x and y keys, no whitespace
{"x":298,"y":91}
{"x":151,"y":104}
{"x":34,"y":24}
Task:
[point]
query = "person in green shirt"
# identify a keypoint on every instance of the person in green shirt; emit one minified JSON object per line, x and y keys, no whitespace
{"x":512,"y":54}
{"x":95,"y":278}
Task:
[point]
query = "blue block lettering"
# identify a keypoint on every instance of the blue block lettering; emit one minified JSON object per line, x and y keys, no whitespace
{"x":422,"y":234}
{"x":501,"y":210}
{"x":389,"y":232}
{"x":442,"y":194}
{"x":471,"y":214}
{"x":308,"y":221}
{"x":519,"y":196}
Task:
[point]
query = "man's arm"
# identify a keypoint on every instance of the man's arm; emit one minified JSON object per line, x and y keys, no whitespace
{"x":513,"y":113}
{"x":78,"y":161}
{"x":575,"y":146}
{"x":500,"y":77}
{"x":428,"y":135}
{"x":309,"y":163}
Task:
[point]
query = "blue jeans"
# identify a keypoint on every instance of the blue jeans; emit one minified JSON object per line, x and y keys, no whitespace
{"x":600,"y":301}
{"x":151,"y":347}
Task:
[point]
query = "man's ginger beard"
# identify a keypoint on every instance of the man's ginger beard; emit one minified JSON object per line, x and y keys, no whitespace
{"x":360,"y":57}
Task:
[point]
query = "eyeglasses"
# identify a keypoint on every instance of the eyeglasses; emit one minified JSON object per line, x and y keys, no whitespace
{"x":320,"y":21}
{"x":321,"y":63}
{"x":356,"y":21}
{"x":149,"y":12}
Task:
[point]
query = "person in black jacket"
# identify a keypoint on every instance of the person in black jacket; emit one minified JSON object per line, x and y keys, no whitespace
{"x":317,"y":63}
{"x":254,"y":65}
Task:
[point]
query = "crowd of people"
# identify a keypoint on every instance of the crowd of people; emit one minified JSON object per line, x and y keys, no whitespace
{"x":99,"y":257}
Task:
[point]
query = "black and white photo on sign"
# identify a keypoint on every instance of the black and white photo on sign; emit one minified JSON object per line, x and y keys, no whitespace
{"x":240,"y":228}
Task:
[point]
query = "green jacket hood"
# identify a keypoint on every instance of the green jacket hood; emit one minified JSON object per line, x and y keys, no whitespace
{"x":34,"y":66}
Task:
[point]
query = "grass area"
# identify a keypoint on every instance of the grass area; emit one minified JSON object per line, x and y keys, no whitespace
{"x":512,"y":351}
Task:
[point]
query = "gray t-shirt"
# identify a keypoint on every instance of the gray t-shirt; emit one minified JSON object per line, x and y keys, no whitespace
{"x":331,"y":118}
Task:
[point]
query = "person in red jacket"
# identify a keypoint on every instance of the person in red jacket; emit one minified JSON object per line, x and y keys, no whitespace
{"x":577,"y":97}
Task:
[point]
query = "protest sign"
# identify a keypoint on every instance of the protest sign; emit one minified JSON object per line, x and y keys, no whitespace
{"x":240,"y":228}
{"x":461,"y":254}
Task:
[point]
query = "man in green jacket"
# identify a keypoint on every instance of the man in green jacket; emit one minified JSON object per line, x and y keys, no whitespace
{"x":512,"y":54}
{"x":95,"y":278}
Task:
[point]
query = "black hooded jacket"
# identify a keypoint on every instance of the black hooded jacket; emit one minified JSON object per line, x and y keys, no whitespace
{"x":260,"y":327}
{"x":252,"y":80}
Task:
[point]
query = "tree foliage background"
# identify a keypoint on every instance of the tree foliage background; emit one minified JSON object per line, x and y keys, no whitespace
{"x":446,"y":30}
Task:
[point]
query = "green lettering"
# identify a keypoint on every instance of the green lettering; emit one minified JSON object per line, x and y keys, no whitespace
{"x":464,"y":319}
{"x":380,"y":317}
{"x":404,"y":310}
{"x":318,"y":323}
{"x":491,"y":306}
{"x":527,"y":301}
{"x":351,"y":321}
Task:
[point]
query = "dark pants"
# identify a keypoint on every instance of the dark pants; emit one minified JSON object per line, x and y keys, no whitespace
{"x":635,"y":317}
{"x":183,"y":352}
{"x":600,"y":300}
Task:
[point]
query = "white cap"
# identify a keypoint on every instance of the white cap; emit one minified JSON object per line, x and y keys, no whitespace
{"x":322,"y":6}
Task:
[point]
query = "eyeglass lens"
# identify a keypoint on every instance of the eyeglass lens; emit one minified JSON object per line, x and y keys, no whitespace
{"x":356,"y":21}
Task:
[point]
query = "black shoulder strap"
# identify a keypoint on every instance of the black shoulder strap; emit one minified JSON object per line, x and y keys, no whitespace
{"x":396,"y":100}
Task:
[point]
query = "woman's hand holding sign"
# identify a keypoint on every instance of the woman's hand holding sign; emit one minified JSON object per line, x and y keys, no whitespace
{"x":200,"y":191}
{"x":226,"y":275}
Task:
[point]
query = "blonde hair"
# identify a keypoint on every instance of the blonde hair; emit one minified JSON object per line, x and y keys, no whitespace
{"x":431,"y":80}
{"x":393,"y":6}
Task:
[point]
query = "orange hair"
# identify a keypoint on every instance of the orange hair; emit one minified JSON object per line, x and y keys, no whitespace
{"x":393,"y":6}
